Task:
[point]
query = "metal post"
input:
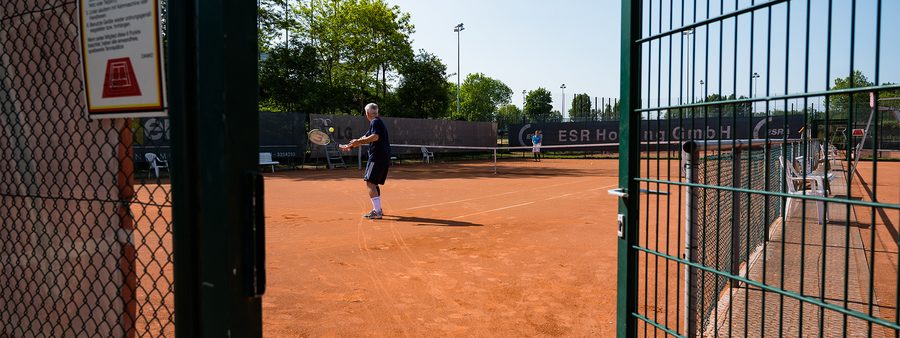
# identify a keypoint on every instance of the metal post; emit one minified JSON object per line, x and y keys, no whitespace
{"x":458,"y":28}
{"x":563,"y":87}
{"x":736,"y":213}
{"x":524,"y":101}
{"x":689,"y":153}
{"x":495,"y":160}
{"x":629,"y":170}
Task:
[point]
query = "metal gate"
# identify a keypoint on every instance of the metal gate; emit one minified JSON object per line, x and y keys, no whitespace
{"x":772,"y":208}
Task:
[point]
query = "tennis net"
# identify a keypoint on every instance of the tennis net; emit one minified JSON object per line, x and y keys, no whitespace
{"x":498,"y":158}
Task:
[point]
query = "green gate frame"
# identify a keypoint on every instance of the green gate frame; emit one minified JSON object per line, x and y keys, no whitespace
{"x":217,"y":189}
{"x":629,"y":167}
{"x":629,"y":247}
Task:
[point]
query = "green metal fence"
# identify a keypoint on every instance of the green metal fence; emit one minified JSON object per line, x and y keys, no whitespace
{"x":764,"y":229}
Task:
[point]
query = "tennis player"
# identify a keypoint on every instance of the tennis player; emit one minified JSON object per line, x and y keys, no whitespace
{"x":379,"y":158}
{"x":536,"y":140}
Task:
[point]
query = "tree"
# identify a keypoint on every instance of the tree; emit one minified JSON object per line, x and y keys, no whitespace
{"x":291,"y":80}
{"x":480,"y":97}
{"x":840,"y":105}
{"x":538,"y":105}
{"x":424,"y":91}
{"x":359,"y":41}
{"x":508,"y":114}
{"x":555,"y":116}
{"x":581,"y":108}
{"x":714,"y":111}
{"x":610,"y":110}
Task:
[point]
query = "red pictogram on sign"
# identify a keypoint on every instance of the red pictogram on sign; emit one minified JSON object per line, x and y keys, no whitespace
{"x":120,"y":79}
{"x":858,"y":132}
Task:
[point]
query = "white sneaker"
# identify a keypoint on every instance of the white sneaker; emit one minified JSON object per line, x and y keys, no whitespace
{"x":374,"y":214}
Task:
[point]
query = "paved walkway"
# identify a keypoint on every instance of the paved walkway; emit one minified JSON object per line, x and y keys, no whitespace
{"x":769,"y":314}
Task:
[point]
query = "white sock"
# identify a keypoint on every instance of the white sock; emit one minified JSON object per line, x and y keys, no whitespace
{"x":376,"y":203}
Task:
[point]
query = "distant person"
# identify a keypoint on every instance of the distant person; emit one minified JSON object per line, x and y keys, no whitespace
{"x":379,"y":158}
{"x":536,"y":140}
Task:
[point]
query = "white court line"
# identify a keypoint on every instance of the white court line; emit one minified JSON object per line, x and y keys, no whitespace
{"x":572,"y":193}
{"x":604,"y":187}
{"x":527,"y":203}
{"x":555,"y":197}
{"x":492,"y":210}
{"x":494,"y":195}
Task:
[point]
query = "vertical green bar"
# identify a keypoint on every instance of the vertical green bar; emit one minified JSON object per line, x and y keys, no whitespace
{"x":629,"y":150}
{"x":213,"y":92}
{"x":180,"y":58}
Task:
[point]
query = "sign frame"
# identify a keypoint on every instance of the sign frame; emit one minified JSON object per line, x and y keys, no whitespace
{"x":151,"y":105}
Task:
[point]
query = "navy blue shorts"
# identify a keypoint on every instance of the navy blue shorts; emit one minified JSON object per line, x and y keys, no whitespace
{"x":376,"y":172}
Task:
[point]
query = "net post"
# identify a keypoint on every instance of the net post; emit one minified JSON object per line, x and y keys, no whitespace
{"x":690,"y":156}
{"x":495,"y":160}
{"x":736,"y":213}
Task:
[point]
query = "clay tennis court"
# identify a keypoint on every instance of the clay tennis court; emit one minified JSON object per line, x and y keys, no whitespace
{"x":529,"y":251}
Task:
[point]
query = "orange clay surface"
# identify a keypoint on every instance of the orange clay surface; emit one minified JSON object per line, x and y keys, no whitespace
{"x":462,"y":251}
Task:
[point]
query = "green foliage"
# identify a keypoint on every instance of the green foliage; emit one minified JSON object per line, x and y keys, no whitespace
{"x":508,"y":114}
{"x":581,"y":108}
{"x":423,"y":90}
{"x":840,"y":105}
{"x":290,"y":80}
{"x":723,"y":110}
{"x":360,"y":41}
{"x":555,"y":116}
{"x":360,"y":46}
{"x":610,"y":110}
{"x":480,"y":97}
{"x":538,"y":105}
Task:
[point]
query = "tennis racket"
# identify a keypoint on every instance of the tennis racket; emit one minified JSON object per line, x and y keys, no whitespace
{"x":319,"y":137}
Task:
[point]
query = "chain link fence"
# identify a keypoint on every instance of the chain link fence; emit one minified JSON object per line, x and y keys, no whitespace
{"x":85,"y":236}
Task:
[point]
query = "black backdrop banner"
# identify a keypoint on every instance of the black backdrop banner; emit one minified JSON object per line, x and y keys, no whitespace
{"x":282,"y":134}
{"x":564,"y":133}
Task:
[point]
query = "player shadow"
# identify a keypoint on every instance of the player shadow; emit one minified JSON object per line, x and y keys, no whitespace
{"x":421,"y":221}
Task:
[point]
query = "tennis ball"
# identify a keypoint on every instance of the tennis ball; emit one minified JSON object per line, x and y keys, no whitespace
{"x":330,"y":129}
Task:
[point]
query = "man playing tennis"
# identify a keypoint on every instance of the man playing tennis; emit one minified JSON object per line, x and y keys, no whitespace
{"x":379,"y":158}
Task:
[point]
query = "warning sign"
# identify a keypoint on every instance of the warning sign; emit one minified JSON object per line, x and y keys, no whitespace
{"x":122,"y":58}
{"x":858,"y":132}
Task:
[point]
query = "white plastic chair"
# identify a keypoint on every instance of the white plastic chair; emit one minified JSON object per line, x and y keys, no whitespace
{"x":817,"y":189}
{"x":156,"y":163}
{"x":266,"y":159}
{"x":427,"y":156}
{"x":833,"y":156}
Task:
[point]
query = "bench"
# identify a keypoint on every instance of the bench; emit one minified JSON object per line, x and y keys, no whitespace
{"x":266,"y":159}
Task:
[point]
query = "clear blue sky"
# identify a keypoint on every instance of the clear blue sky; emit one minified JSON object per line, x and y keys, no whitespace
{"x":526,"y":44}
{"x":529,"y":44}
{"x":788,"y":47}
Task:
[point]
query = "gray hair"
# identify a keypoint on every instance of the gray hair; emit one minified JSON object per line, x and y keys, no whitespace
{"x":372,"y":107}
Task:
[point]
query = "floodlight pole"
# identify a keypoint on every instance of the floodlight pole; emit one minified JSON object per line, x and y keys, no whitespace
{"x":755,"y":77}
{"x":688,"y":34}
{"x":563,"y":87}
{"x":524,"y":101}
{"x":458,"y":28}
